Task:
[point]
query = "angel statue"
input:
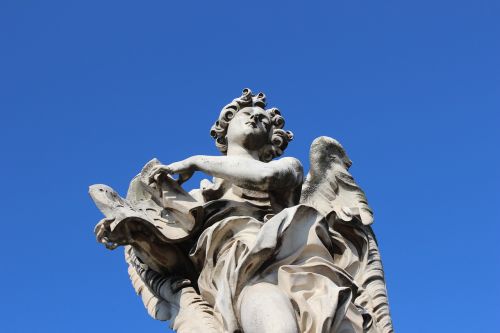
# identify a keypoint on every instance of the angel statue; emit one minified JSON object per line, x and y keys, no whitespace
{"x":260,"y":248}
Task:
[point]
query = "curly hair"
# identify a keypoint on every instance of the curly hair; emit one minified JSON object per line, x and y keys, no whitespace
{"x":278,"y":140}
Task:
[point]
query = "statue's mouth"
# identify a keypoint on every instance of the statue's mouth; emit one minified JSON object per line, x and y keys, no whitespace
{"x":251,"y":124}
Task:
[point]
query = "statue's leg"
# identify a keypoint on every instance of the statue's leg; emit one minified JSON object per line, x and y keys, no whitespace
{"x":264,"y":308}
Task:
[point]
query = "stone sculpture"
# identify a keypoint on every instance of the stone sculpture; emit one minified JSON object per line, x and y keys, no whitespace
{"x":261,"y":248}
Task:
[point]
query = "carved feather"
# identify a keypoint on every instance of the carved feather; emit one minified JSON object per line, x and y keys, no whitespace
{"x":373,"y":281}
{"x":168,"y":299}
{"x":157,"y":307}
{"x":329,"y":187}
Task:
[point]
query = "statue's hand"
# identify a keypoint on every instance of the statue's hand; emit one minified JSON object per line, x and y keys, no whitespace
{"x":102,"y":231}
{"x":185,"y":169}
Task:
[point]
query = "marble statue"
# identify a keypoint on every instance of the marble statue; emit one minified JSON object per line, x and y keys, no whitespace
{"x":259,"y":249}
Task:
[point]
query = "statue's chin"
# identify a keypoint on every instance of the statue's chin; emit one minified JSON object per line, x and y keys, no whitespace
{"x":250,"y":139}
{"x":254,"y":143}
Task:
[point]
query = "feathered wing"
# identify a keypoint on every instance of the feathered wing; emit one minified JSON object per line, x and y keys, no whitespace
{"x":330,"y":188}
{"x":171,"y":299}
{"x":149,"y":286}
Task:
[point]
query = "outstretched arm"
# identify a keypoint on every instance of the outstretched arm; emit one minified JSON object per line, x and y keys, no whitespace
{"x":285,"y":173}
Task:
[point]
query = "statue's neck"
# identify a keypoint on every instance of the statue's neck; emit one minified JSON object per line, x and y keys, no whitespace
{"x":235,"y":150}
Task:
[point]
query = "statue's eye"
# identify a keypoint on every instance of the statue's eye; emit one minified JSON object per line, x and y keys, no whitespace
{"x":264,"y":120}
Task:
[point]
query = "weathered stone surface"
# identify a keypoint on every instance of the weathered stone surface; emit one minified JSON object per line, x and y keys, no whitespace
{"x":260,"y":248}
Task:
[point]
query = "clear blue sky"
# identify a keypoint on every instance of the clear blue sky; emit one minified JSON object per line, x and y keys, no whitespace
{"x":91,"y":90}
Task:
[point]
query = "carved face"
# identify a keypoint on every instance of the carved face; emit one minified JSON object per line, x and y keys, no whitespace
{"x":250,"y":128}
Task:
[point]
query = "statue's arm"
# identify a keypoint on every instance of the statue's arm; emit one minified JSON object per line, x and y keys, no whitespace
{"x":253,"y":174}
{"x":248,"y":173}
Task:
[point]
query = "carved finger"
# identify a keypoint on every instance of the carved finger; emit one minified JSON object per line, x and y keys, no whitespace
{"x":156,"y":171}
{"x":105,"y":240}
{"x":103,"y":224}
{"x":97,"y":228}
{"x":111,"y":245}
{"x":100,"y":234}
{"x":153,"y":175}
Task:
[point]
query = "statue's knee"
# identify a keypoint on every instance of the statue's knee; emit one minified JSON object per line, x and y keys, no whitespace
{"x":264,"y":308}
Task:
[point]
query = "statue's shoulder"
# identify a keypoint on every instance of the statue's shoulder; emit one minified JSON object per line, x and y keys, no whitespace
{"x":292,"y":161}
{"x":290,"y":165}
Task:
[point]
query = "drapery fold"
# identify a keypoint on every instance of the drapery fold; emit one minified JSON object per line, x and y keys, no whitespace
{"x":293,"y":250}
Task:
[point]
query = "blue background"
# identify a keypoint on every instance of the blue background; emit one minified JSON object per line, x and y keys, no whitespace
{"x":91,"y":90}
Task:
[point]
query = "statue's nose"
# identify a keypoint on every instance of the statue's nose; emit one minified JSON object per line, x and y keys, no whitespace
{"x":256,"y":116}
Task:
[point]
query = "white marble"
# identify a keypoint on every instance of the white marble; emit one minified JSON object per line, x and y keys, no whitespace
{"x":261,"y":247}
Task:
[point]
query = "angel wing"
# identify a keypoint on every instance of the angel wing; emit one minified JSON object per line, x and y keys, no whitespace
{"x":330,"y":188}
{"x":172,"y":299}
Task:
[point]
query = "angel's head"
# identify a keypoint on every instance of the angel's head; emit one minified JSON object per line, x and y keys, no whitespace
{"x":247,"y":123}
